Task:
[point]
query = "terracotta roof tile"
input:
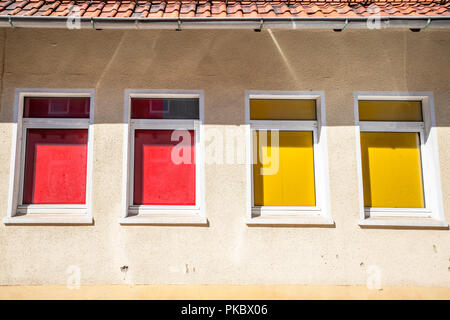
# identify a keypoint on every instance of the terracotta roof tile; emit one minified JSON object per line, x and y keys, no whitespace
{"x":63,"y":8}
{"x":344,"y":10}
{"x":94,"y":9}
{"x":141,"y":10}
{"x":358,"y":8}
{"x":126,"y":9}
{"x":4,"y":4}
{"x":234,"y":10}
{"x":296,"y":10}
{"x":110,"y":9}
{"x":282,"y":10}
{"x":13,"y":8}
{"x":204,"y":9}
{"x":30,"y":9}
{"x":249,"y":9}
{"x":225,"y":8}
{"x":157,"y":10}
{"x":265,"y":9}
{"x":218,"y":9}
{"x":172,"y":10}
{"x":81,"y":9}
{"x":47,"y":8}
{"x":188,"y":8}
{"x":327,"y":8}
{"x":313,"y":10}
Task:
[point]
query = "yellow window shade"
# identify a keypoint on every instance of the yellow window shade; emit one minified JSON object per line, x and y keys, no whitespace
{"x":391,"y":167}
{"x":282,"y":109}
{"x":290,"y":182}
{"x":390,"y":110}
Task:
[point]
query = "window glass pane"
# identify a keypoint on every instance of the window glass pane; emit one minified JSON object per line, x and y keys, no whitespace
{"x":392,"y":173}
{"x":390,"y":110}
{"x":282,"y":109}
{"x":290,"y":180}
{"x":55,"y":166}
{"x":160,"y":175}
{"x":164,"y":108}
{"x":38,"y":107}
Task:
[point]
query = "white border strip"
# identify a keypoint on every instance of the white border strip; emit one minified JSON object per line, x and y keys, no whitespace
{"x":430,"y":164}
{"x":17,"y":154}
{"x":294,"y":216}
{"x":163,"y":214}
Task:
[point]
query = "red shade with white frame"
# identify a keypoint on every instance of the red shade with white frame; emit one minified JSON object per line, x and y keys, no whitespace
{"x":56,"y":107}
{"x":164,"y":167}
{"x":55,"y":166}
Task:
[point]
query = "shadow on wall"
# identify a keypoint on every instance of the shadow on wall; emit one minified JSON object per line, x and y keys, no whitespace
{"x":226,"y":63}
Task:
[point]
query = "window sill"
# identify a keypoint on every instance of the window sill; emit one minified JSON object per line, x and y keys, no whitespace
{"x":306,"y":220}
{"x":164,"y":219}
{"x":51,"y":210}
{"x":49,"y":219}
{"x":403,"y":222}
{"x":397,"y":212}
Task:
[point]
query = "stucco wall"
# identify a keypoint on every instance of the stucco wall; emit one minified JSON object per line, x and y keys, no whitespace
{"x":224,"y":64}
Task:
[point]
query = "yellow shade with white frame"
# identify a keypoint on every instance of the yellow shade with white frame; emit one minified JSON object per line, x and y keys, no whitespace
{"x":390,"y":110}
{"x":282,"y":109}
{"x":392,"y":171}
{"x":283,"y":174}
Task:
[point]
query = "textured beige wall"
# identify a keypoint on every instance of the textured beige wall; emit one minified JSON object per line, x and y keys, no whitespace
{"x":224,"y":64}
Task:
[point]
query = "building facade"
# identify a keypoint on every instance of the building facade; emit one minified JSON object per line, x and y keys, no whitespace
{"x":360,"y":197}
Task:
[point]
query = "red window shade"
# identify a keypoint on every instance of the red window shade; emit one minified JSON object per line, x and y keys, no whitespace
{"x":55,"y":166}
{"x":147,"y":109}
{"x":167,"y":108}
{"x":74,"y":107}
{"x":158,"y":180}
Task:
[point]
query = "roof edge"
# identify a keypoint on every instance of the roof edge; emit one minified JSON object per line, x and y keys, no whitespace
{"x":338,"y":23}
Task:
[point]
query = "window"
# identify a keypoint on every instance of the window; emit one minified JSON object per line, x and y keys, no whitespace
{"x":51,"y":158}
{"x":399,"y":175}
{"x":163,"y":183}
{"x":288,"y":167}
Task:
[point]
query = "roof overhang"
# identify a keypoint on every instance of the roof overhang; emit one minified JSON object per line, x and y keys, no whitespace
{"x":259,"y":23}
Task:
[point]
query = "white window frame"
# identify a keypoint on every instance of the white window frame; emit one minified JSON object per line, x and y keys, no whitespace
{"x":162,"y":214}
{"x":319,"y":215}
{"x":430,"y":216}
{"x":19,"y":213}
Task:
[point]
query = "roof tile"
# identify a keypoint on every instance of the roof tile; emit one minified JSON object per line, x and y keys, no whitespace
{"x":188,"y":8}
{"x":225,"y":8}
{"x":157,"y":10}
{"x":30,"y":8}
{"x":249,"y":9}
{"x":265,"y":9}
{"x":47,"y":8}
{"x":172,"y":10}
{"x":142,"y":9}
{"x":234,"y":10}
{"x":126,"y":9}
{"x":218,"y":9}
{"x":94,"y":9}
{"x":4,"y":4}
{"x":282,"y":10}
{"x":204,"y":9}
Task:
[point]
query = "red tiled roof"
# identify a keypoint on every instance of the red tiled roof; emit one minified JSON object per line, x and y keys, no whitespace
{"x":224,"y":9}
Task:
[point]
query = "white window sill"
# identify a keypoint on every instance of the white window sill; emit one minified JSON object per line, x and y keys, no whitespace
{"x":285,"y":211}
{"x":397,"y":212}
{"x":405,"y":222}
{"x":293,"y":220}
{"x":289,"y":215}
{"x":46,"y":219}
{"x":164,"y":219}
{"x":51,"y":209}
